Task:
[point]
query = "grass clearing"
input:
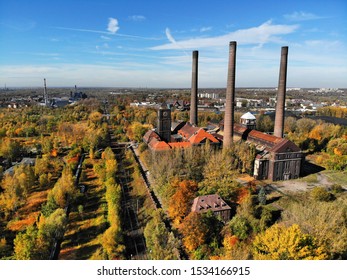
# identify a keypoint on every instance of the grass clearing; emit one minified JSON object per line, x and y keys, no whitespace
{"x":337,"y":177}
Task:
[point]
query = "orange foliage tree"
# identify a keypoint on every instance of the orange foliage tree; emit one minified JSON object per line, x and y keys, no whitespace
{"x":180,"y":202}
{"x":194,"y":231}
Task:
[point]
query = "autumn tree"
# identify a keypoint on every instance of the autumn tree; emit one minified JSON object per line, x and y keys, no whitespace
{"x":35,"y":243}
{"x":10,"y":149}
{"x":287,"y":243}
{"x":324,"y":220}
{"x":112,"y":238}
{"x":16,"y":188}
{"x":289,"y":124}
{"x":264,"y":123}
{"x":234,"y":249}
{"x":64,"y":190}
{"x":161,"y":243}
{"x":95,"y":117}
{"x":181,"y":201}
{"x":110,"y":163}
{"x":25,"y":244}
{"x":136,"y":130}
{"x":194,"y":232}
{"x":219,"y":176}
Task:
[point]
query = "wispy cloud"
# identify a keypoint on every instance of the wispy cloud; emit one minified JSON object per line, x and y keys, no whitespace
{"x":301,"y":16}
{"x":137,"y":18}
{"x":169,"y":36}
{"x":266,"y":32}
{"x":204,"y":29}
{"x":82,"y":30}
{"x":112,"y":26}
{"x":105,"y":38}
{"x":173,"y":41}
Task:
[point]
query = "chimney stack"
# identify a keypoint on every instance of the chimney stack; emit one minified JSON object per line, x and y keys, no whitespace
{"x":45,"y":96}
{"x":194,"y":91}
{"x":281,"y":95}
{"x":230,"y":98}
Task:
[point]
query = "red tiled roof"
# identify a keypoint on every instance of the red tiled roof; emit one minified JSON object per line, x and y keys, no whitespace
{"x":200,"y":136}
{"x":188,"y":130}
{"x":258,"y":135}
{"x":156,"y":145}
{"x":269,"y":141}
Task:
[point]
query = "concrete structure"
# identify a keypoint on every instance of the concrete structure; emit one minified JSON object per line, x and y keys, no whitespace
{"x":230,"y":98}
{"x":214,"y":203}
{"x":194,"y":91}
{"x":281,"y":95}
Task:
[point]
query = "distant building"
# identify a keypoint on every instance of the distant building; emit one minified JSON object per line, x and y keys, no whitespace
{"x":213,"y":202}
{"x":208,"y":95}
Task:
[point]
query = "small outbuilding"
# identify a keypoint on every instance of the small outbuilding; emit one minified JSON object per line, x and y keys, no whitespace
{"x":213,"y":202}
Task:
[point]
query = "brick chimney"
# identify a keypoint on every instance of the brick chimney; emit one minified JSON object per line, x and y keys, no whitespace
{"x":230,"y":98}
{"x":281,"y":95}
{"x":194,"y":91}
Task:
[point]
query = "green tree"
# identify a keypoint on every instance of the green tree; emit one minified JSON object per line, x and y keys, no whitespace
{"x":25,"y":244}
{"x":264,"y":123}
{"x":161,"y":244}
{"x":262,"y":196}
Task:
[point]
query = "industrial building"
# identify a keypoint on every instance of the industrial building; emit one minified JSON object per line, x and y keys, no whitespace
{"x":276,"y":159}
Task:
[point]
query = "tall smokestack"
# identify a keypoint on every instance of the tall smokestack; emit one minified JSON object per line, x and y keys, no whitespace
{"x":45,"y":96}
{"x":230,"y":98}
{"x":281,"y":95}
{"x":194,"y":91}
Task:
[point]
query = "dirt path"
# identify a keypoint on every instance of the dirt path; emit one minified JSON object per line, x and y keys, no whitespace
{"x":303,"y":184}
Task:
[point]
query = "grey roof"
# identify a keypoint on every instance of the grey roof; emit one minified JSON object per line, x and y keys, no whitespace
{"x":212,"y":202}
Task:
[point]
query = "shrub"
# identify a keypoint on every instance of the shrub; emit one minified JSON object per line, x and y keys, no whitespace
{"x":336,"y":188}
{"x":321,"y":194}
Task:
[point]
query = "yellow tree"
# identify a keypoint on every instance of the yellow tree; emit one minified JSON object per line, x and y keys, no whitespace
{"x":287,"y":243}
{"x":64,"y":189}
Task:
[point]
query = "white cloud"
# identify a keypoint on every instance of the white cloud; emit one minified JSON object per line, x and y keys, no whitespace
{"x":264,"y":33}
{"x":137,"y":18}
{"x":301,"y":16}
{"x":112,"y":26}
{"x":169,"y":36}
{"x":204,"y":29}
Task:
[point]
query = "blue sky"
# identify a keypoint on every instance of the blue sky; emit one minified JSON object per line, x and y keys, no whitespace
{"x":149,"y":43}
